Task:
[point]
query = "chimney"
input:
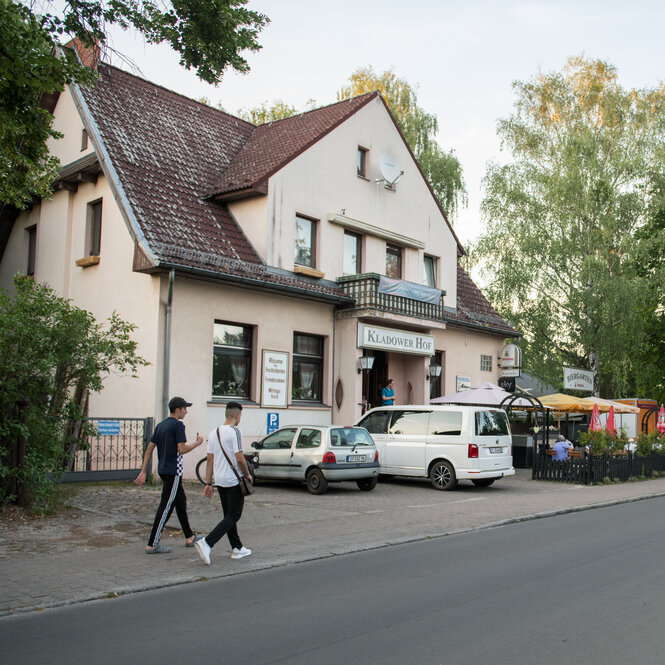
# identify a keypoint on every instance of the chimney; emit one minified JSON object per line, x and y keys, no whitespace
{"x":88,"y":55}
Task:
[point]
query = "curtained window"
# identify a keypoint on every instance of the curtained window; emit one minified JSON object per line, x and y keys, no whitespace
{"x":232,"y":360}
{"x":307,"y":379}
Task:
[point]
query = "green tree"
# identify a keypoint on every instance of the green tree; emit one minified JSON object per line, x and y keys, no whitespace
{"x":562,"y":218}
{"x":54,"y":355}
{"x":442,"y":169}
{"x":209,"y":36}
{"x":265,"y":113}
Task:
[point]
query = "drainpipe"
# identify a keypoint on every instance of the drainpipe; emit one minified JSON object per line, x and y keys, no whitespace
{"x":167,"y":346}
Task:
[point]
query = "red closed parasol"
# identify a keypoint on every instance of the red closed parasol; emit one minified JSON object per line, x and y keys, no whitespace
{"x":609,"y":426}
{"x":595,"y":419}
{"x":660,"y":425}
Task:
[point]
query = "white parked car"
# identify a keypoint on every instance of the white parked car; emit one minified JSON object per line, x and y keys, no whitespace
{"x":319,"y":455}
{"x":445,"y":443}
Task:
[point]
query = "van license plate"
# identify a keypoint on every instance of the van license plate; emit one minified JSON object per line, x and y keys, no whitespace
{"x":355,"y":458}
{"x":496,"y":450}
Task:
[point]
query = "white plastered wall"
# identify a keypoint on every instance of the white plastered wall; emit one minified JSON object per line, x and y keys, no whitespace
{"x":110,"y":285}
{"x":463,"y":349}
{"x":196,"y":307}
{"x":323,"y":181}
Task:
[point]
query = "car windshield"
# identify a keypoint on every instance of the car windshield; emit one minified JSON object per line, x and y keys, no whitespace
{"x":491,"y":423}
{"x":350,"y":436}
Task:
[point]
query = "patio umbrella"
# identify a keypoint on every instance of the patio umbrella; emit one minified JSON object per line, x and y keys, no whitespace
{"x":619,"y":407}
{"x":595,"y":419}
{"x":609,"y":426}
{"x":484,"y":394}
{"x":570,"y":404}
{"x":660,"y":425}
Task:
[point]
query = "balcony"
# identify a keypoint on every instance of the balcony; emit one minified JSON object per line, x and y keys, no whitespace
{"x":364,"y":289}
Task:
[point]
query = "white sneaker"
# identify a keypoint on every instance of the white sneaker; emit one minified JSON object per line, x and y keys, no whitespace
{"x":204,"y":550}
{"x":240,"y":553}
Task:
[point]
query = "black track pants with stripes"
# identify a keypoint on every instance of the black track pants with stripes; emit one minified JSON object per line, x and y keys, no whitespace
{"x":173,"y":496}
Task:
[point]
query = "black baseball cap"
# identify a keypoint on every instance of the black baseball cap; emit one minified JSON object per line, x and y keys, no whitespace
{"x":177,"y":403}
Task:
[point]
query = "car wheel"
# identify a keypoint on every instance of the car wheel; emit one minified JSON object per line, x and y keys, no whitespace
{"x":201,"y":470}
{"x":483,"y":482}
{"x":442,"y":476}
{"x":367,"y":484}
{"x":316,"y":482}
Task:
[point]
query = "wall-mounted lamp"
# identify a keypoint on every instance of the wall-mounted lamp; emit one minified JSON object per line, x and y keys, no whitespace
{"x":434,"y":371}
{"x":366,"y":363}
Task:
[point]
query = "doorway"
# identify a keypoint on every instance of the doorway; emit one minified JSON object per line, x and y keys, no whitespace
{"x":376,"y":379}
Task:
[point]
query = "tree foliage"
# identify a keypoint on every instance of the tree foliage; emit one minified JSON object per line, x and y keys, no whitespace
{"x":209,"y":36}
{"x":442,"y":169}
{"x":265,"y":113}
{"x":54,"y":355}
{"x":564,"y":221}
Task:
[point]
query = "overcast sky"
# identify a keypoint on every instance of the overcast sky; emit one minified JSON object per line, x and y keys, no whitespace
{"x":462,"y":56}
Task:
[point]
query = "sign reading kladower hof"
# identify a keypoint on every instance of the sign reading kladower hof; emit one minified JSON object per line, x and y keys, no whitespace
{"x":275,"y":378}
{"x":388,"y":339}
{"x":577,"y":379}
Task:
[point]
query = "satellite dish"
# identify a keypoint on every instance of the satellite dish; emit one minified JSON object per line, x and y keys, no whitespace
{"x":390,"y":170}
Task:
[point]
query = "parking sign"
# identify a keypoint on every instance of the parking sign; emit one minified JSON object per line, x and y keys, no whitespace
{"x":273,"y":422}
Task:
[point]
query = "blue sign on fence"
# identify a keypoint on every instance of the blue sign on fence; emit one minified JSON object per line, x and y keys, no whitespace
{"x":273,"y":422}
{"x":108,"y":427}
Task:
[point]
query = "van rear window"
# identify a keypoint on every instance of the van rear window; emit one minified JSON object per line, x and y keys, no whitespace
{"x":491,"y":423}
{"x":445,"y":423}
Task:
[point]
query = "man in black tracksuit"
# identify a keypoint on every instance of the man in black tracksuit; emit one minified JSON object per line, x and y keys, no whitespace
{"x":171,"y":442}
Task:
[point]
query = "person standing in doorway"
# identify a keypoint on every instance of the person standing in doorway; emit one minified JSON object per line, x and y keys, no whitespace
{"x":171,"y":442}
{"x":229,"y":437}
{"x":388,"y":393}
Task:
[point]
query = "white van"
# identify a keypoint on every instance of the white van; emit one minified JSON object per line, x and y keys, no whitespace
{"x":444,"y":443}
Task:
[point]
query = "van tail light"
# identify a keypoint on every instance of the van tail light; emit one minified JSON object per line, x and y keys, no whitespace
{"x":376,"y":455}
{"x":329,"y":458}
{"x":473,"y":450}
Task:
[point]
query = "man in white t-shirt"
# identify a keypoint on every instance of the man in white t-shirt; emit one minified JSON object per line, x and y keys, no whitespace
{"x":226,"y":482}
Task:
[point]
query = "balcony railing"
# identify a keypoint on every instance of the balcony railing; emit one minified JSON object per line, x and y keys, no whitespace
{"x":364,"y":289}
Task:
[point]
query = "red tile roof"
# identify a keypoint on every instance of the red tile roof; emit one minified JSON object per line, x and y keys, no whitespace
{"x":169,"y":151}
{"x":274,"y":144}
{"x":474,"y":310}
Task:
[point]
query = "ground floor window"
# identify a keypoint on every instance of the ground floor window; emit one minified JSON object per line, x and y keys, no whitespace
{"x":435,"y":381}
{"x":307,"y":379}
{"x":232,"y":360}
{"x":485,"y":363}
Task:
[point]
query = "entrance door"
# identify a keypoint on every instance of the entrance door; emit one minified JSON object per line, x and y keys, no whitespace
{"x":377,"y":378}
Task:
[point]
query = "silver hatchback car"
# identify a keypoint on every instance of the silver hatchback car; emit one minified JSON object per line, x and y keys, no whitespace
{"x":319,"y":454}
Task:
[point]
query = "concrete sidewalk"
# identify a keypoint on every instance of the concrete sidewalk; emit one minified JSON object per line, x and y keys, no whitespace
{"x":96,"y":549}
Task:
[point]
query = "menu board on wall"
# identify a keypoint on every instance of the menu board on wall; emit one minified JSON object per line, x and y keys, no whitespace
{"x":275,"y":378}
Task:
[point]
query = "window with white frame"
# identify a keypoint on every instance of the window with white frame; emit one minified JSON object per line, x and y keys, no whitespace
{"x":232,"y":360}
{"x":352,"y":248}
{"x":429,"y":271}
{"x":393,"y":261}
{"x":307,"y":379}
{"x":362,"y":162}
{"x":94,"y":229}
{"x":485,"y":363}
{"x":305,"y":242}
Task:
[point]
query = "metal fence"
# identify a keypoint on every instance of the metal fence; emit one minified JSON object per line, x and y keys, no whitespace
{"x":114,"y":453}
{"x":593,"y":469}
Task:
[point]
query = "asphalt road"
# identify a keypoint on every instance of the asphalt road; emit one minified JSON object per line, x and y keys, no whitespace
{"x":582,"y":588}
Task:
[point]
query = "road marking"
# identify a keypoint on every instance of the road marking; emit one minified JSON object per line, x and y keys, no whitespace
{"x":434,"y":505}
{"x":475,"y":498}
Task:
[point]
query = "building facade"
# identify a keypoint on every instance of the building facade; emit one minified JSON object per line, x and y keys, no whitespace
{"x":258,"y":263}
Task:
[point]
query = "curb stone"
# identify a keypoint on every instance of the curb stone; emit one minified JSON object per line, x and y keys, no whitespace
{"x":118,"y":593}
